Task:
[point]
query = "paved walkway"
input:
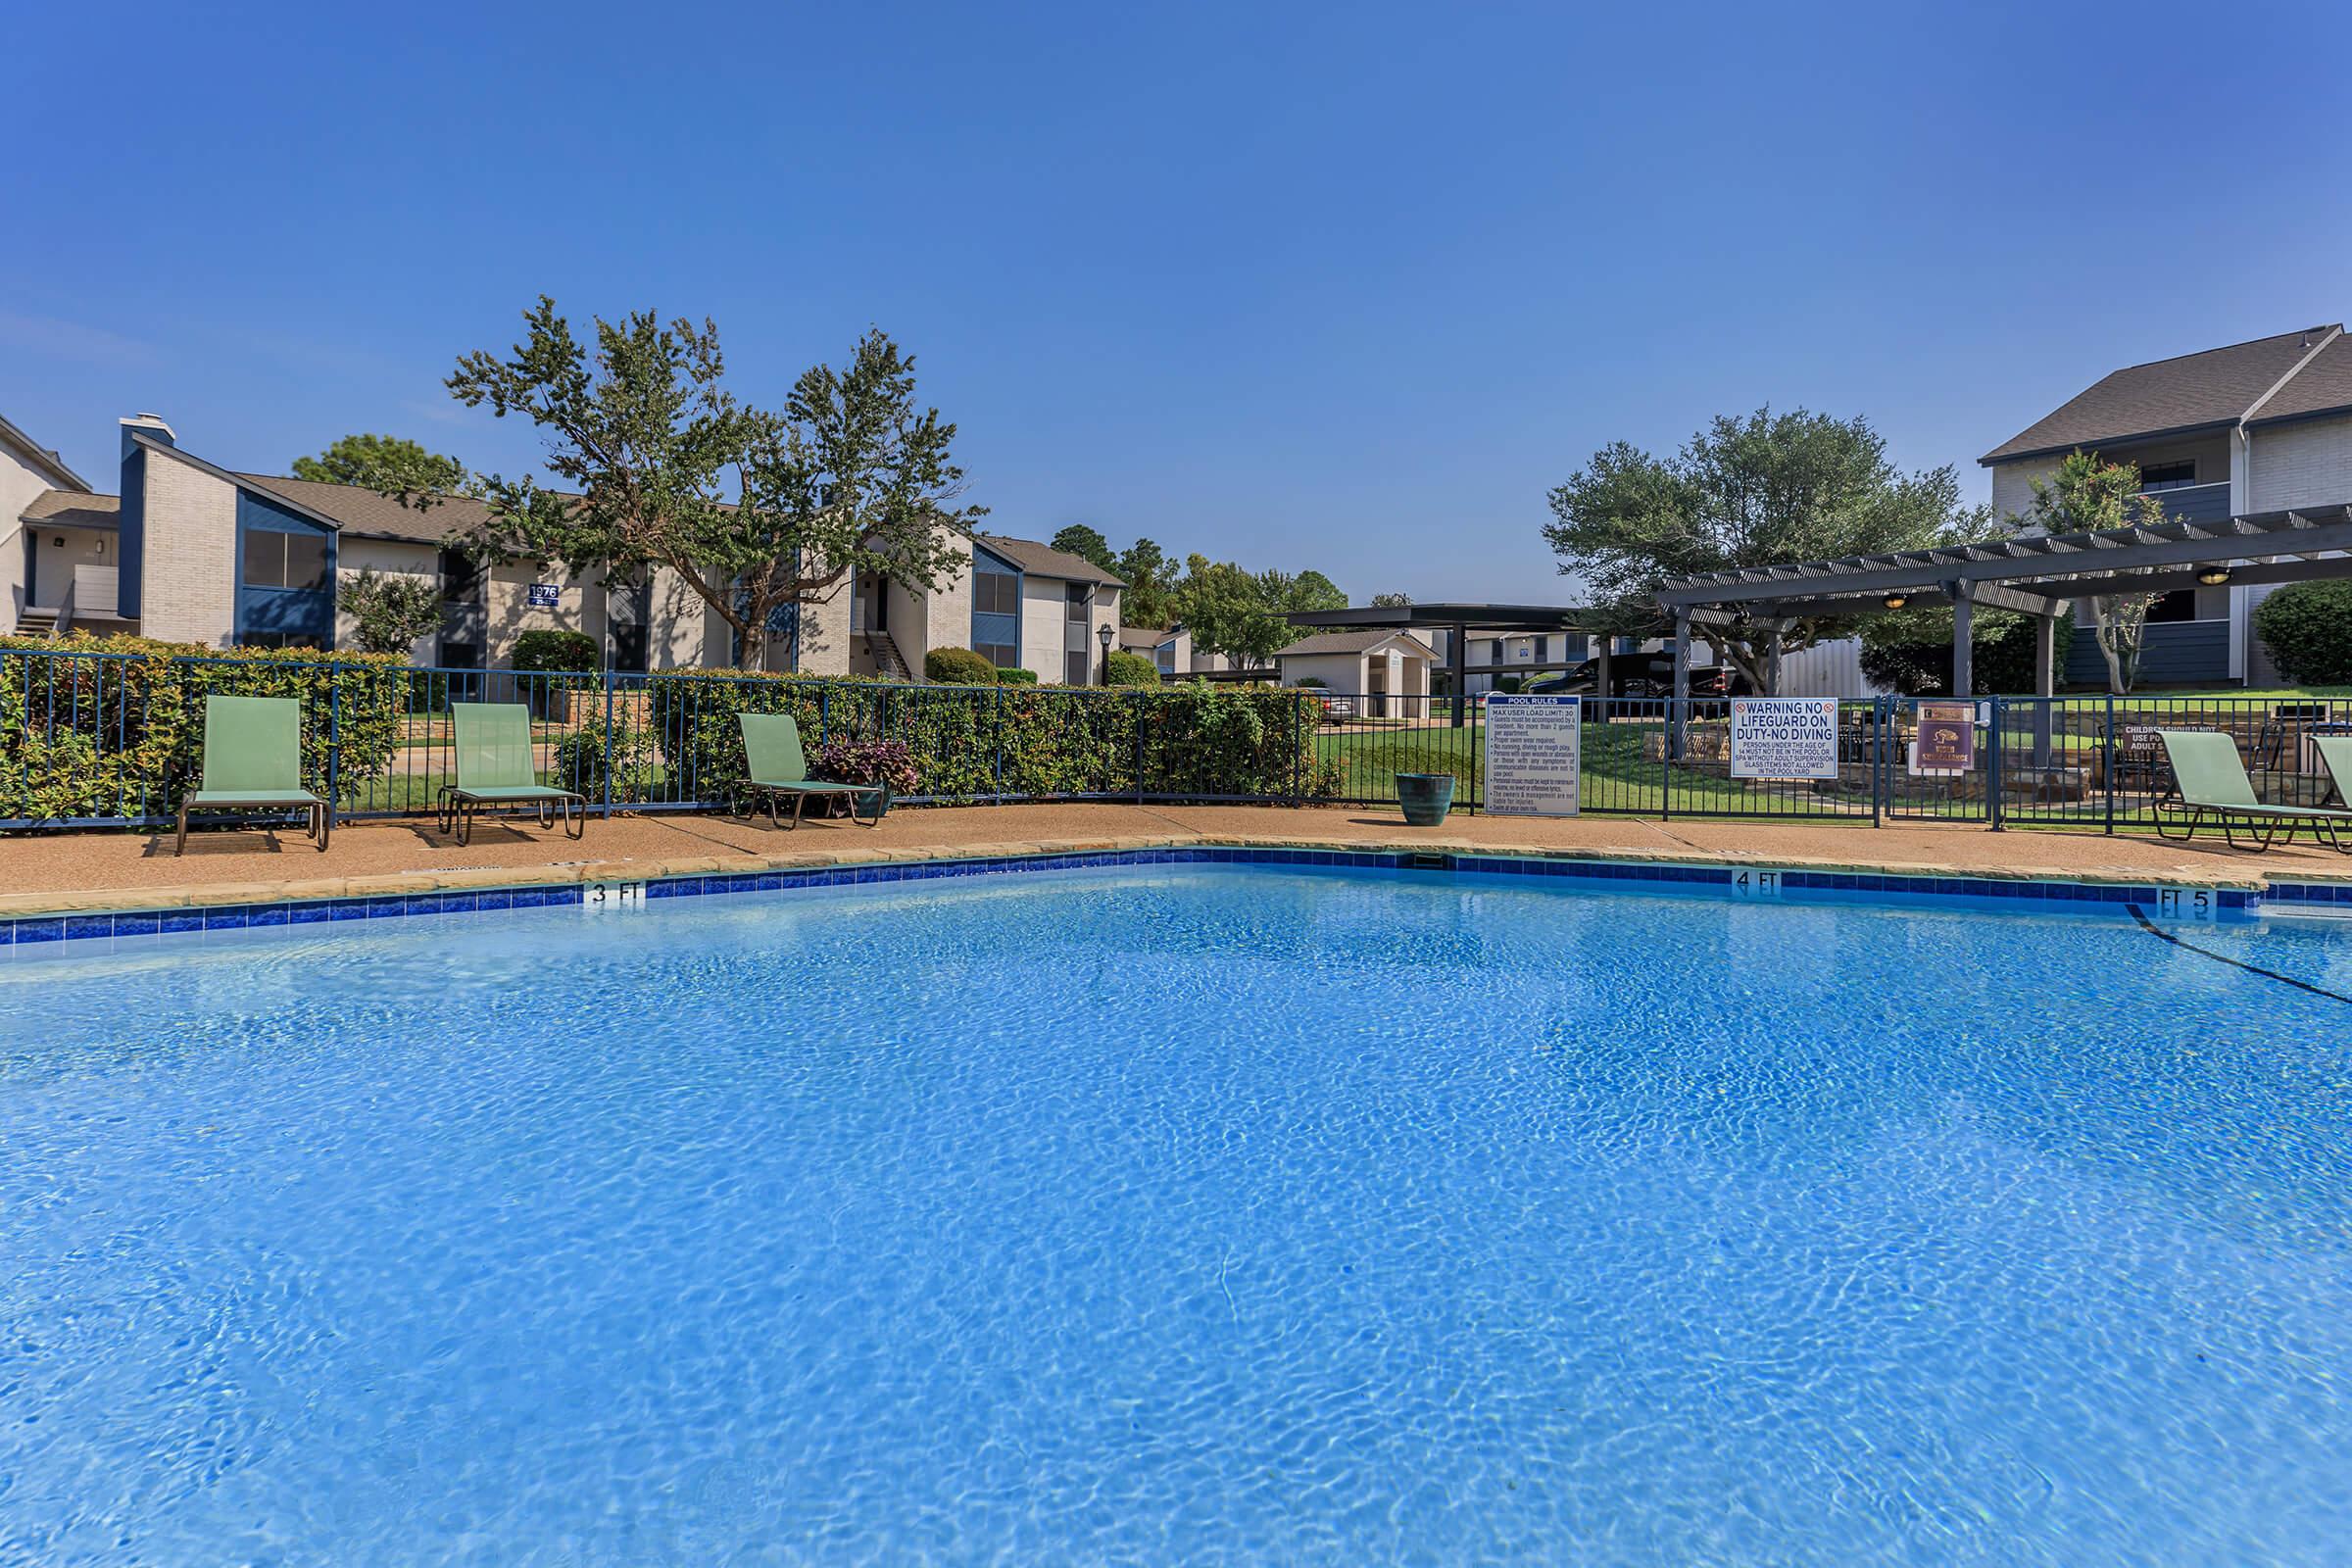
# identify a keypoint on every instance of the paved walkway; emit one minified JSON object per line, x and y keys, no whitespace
{"x":120,"y":871}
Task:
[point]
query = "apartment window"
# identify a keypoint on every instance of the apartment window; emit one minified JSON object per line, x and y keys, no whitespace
{"x":996,"y":593}
{"x":2155,"y":476}
{"x":2179,"y":604}
{"x":1002,"y":655}
{"x":295,"y":560}
{"x":1080,"y":598}
{"x":462,"y":656}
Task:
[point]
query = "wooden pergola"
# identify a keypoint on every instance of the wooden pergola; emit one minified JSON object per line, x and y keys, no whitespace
{"x":2034,"y":574}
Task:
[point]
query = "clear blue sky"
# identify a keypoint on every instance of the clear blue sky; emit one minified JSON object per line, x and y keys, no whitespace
{"x":1346,"y":287}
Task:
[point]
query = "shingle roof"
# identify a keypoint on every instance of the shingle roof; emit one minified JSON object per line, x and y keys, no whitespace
{"x":1352,"y":641}
{"x":371,"y":516}
{"x":1044,"y":560}
{"x":2322,"y":386}
{"x":1146,"y":636}
{"x":78,"y":509}
{"x":2193,"y":391}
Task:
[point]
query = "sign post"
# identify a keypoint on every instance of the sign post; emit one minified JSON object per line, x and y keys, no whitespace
{"x":1783,"y":737}
{"x":1534,"y":754}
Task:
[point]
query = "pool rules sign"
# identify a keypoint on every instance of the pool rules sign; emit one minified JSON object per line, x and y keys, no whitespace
{"x":1534,"y":754}
{"x":1783,"y":737}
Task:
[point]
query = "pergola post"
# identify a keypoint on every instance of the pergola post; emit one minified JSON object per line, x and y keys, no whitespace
{"x":1459,"y":637}
{"x":1676,"y":720}
{"x":2045,"y":686}
{"x":1964,"y":664}
{"x":1772,"y":663}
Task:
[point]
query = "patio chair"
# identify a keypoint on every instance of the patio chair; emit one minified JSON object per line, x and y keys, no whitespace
{"x":253,"y":763}
{"x":2335,"y":756}
{"x":776,"y":770}
{"x":496,"y":768}
{"x":2213,"y":782}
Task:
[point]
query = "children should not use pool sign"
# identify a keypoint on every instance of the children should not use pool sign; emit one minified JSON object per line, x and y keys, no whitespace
{"x":1783,"y":737}
{"x":1534,"y":754}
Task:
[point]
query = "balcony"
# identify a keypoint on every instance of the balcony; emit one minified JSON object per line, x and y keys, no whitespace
{"x":2195,"y":502}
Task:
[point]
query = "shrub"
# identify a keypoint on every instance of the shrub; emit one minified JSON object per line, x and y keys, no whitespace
{"x":1016,"y":676}
{"x":636,"y":763}
{"x":1911,"y":652}
{"x":1132,"y":669}
{"x":1316,"y":681}
{"x":564,"y":653}
{"x":1507,"y":684}
{"x":114,"y":727}
{"x":958,"y":666}
{"x":886,"y":762}
{"x":390,"y":613}
{"x":970,"y":742}
{"x":2307,"y":626}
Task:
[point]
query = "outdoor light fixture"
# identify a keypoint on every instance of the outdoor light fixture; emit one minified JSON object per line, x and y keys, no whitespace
{"x":1897,"y":601}
{"x":2214,"y":576}
{"x":1103,"y":635}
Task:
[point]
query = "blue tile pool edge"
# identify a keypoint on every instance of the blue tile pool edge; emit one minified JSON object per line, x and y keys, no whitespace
{"x":1770,"y":882}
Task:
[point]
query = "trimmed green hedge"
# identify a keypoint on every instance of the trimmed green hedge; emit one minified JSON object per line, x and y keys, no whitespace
{"x":121,"y":733}
{"x":959,"y":666}
{"x":969,"y":742}
{"x":1133,"y":669}
{"x":2308,"y":628}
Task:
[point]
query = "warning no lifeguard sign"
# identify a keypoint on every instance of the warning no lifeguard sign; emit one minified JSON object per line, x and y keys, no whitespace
{"x":1533,"y":755}
{"x":1783,"y":737}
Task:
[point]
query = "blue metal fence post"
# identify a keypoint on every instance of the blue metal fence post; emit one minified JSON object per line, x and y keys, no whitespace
{"x":2107,"y":763}
{"x":608,"y":812}
{"x":1666,"y":764}
{"x":1992,"y":769}
{"x":998,"y":712}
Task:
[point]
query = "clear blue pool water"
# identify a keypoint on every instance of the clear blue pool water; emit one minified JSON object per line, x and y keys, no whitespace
{"x":1178,"y":1215}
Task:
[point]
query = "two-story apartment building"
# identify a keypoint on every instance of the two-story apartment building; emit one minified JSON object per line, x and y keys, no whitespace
{"x":190,"y":550}
{"x":2254,"y":427}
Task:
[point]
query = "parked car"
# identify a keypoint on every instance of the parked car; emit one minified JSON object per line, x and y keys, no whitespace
{"x":1629,"y":679}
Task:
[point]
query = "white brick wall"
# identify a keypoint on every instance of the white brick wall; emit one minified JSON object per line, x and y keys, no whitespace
{"x":2013,"y":487}
{"x":188,"y":566}
{"x":386,"y":557}
{"x":2308,"y":464}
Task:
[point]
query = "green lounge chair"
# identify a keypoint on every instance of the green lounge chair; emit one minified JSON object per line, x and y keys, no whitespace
{"x":2335,"y":756}
{"x":776,"y":768}
{"x":496,"y":768}
{"x":2212,"y":781}
{"x":253,"y":763}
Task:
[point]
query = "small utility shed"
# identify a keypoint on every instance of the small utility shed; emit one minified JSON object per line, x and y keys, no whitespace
{"x":1388,"y":669}
{"x":1455,"y":620}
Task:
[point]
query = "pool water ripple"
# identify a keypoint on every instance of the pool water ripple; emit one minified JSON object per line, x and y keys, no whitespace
{"x":1197,"y":1214}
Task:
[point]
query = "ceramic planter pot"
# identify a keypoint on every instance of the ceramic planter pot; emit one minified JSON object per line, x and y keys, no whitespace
{"x":1425,"y":797}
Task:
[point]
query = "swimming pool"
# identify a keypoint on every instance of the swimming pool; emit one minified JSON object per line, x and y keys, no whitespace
{"x":1188,"y":1214}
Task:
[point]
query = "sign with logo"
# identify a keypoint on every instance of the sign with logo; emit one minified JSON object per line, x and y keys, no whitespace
{"x":1946,"y":742}
{"x":543,"y":595}
{"x":1783,"y":737}
{"x":1534,"y":754}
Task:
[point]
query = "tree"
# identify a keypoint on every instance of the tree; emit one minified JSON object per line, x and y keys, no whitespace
{"x":1748,"y":491}
{"x":756,"y":511}
{"x":386,"y":463}
{"x":2085,"y":492}
{"x":1391,"y":600}
{"x":1240,"y":613}
{"x":1151,"y":579}
{"x":390,"y":613}
{"x":1087,"y":545}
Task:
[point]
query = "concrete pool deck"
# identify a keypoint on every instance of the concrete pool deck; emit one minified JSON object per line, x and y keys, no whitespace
{"x":91,"y":871}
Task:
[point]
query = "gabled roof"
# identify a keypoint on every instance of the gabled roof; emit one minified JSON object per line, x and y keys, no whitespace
{"x":74,"y":508}
{"x":1354,"y":642}
{"x":370,"y":516}
{"x":40,"y":460}
{"x":1043,"y":561}
{"x":2218,"y":388}
{"x":1146,"y":636}
{"x":2324,"y":385}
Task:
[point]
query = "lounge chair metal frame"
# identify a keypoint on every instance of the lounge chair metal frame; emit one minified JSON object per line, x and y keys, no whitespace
{"x":2205,"y":765}
{"x":496,"y":768}
{"x":253,"y":763}
{"x":775,"y":767}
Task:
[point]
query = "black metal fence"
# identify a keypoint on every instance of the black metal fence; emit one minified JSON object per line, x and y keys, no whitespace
{"x":92,"y":739}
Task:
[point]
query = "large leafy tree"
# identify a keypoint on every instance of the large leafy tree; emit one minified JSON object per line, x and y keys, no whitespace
{"x":1087,"y":544}
{"x":1240,"y":613}
{"x":663,"y":466}
{"x":389,"y":612}
{"x":1151,"y":579}
{"x":1746,"y":491}
{"x":387,"y":464}
{"x":2088,"y":492}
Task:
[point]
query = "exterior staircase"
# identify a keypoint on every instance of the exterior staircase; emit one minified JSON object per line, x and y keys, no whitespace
{"x":889,"y":663}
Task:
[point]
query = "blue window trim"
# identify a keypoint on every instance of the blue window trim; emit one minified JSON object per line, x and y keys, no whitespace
{"x":257,"y":514}
{"x":996,"y":566}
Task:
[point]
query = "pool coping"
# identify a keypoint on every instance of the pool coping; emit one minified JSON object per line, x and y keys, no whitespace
{"x":40,"y":917}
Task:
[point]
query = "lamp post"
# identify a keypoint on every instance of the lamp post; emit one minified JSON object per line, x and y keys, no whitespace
{"x":1103,"y":635}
